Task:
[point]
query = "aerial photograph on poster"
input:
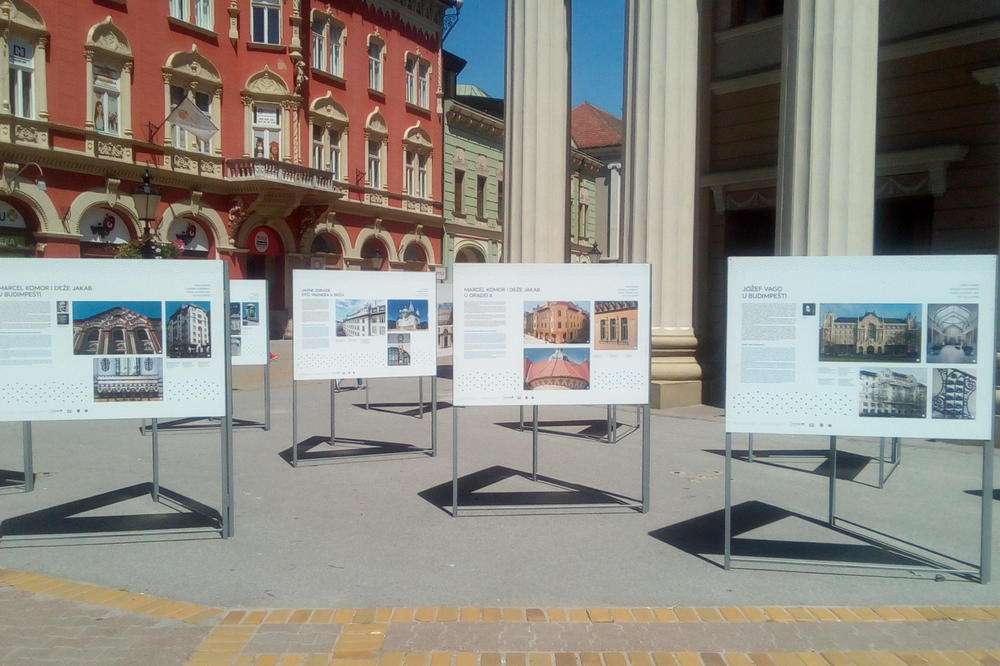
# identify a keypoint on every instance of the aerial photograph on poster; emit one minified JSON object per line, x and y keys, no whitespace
{"x":867,"y":332}
{"x":556,"y":322}
{"x":117,"y":327}
{"x":360,"y":317}
{"x":954,"y":394}
{"x":133,"y":379}
{"x":952,"y":331}
{"x":560,"y":369}
{"x":407,"y":315}
{"x":893,"y":393}
{"x":189,"y":334}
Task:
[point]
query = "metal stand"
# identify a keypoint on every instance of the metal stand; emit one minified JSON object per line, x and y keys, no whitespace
{"x":982,"y":573}
{"x":895,"y":448}
{"x":612,"y":435}
{"x":603,"y":507}
{"x":334,"y":390}
{"x":27,"y":459}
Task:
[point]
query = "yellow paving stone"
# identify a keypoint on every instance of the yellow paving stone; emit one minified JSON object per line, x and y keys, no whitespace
{"x":366,"y":629}
{"x":610,"y":659}
{"x":364,"y":616}
{"x":712,"y":658}
{"x":968,"y":613}
{"x":845,"y":614}
{"x":97,"y":596}
{"x":685,"y":614}
{"x":153,"y":605}
{"x":589,"y":659}
{"x":441,"y":659}
{"x":490,"y":659}
{"x":492,"y":615}
{"x":639,"y":659}
{"x":358,"y":642}
{"x":688,"y":658}
{"x":887,"y":659}
{"x":543,"y":659}
{"x":233,"y":630}
{"x":935,"y":658}
{"x":512,"y":614}
{"x":836,"y":658}
{"x":254,"y":617}
{"x":65,"y":588}
{"x":665,"y":614}
{"x":708,"y":614}
{"x":383,"y":615}
{"x":911,"y":658}
{"x":391,"y":659}
{"x":426,"y":614}
{"x":300,"y":616}
{"x":930,"y":613}
{"x":800,"y":614}
{"x":754,"y":614}
{"x":403,"y":615}
{"x":214,"y":658}
{"x":993,"y":610}
{"x":556,"y":615}
{"x":267,"y":660}
{"x":786,"y":659}
{"x":578,"y":615}
{"x":222,"y":646}
{"x":322,"y":616}
{"x":761,"y":659}
{"x":316,"y":660}
{"x":889,"y":613}
{"x":515,"y":659}
{"x":621,"y":615}
{"x":664,"y":659}
{"x":811,"y":659}
{"x":909,"y":614}
{"x":189,"y":612}
{"x":860,"y":658}
{"x":732,"y":614}
{"x":292,"y":660}
{"x":470,"y":614}
{"x":463,"y":659}
{"x":643,"y":614}
{"x":244,"y":660}
{"x":960,"y":658}
{"x":738,"y":659}
{"x":534,"y":615}
{"x":447,"y":614}
{"x":865,"y":614}
{"x":568,"y":659}
{"x":343,"y":615}
{"x":353,"y":662}
{"x":778,"y":614}
{"x":206,"y":614}
{"x":599,"y":614}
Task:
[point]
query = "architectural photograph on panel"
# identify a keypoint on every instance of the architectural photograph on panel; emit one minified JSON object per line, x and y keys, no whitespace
{"x":561,"y":369}
{"x":894,"y":393}
{"x":235,"y":345}
{"x":952,"y":330}
{"x":407,"y":315}
{"x":556,"y":322}
{"x":399,"y":349}
{"x":107,"y":327}
{"x":128,"y":379}
{"x":360,"y":317}
{"x":251,"y":314}
{"x":616,"y":325}
{"x":866,"y":331}
{"x":189,"y":331}
{"x":954,"y":394}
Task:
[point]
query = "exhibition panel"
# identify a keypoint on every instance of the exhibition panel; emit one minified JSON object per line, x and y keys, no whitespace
{"x":248,"y":323}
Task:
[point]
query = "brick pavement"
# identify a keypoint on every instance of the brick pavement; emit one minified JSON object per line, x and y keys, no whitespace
{"x":47,"y":620}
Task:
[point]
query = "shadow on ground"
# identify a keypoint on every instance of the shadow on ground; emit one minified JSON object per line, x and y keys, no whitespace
{"x":348,"y":448}
{"x":849,"y":465}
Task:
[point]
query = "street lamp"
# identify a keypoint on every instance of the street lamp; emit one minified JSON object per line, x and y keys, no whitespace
{"x":40,"y":182}
{"x":147,"y":200}
{"x":450,"y":19}
{"x":595,"y":254}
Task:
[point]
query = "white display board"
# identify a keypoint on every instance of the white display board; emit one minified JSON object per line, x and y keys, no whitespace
{"x":248,"y":324}
{"x":352,"y":324}
{"x":551,"y":334}
{"x":865,"y":346}
{"x":109,"y":338}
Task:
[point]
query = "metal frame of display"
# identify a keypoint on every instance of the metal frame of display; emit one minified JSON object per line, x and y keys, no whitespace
{"x":612,"y":436}
{"x":608,"y":507}
{"x":931,"y":565}
{"x":896,"y":453}
{"x":420,"y":395}
{"x":225,"y":517}
{"x":432,"y":451}
{"x":28,"y":484}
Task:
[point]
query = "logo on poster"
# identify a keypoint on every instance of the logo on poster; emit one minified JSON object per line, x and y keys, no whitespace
{"x":261,"y":241}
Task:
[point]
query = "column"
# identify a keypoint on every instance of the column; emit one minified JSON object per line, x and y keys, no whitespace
{"x":826,"y":156}
{"x":536,"y":143}
{"x":659,"y":183}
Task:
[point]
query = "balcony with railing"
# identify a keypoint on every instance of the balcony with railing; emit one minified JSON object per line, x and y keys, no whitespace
{"x":273,"y":171}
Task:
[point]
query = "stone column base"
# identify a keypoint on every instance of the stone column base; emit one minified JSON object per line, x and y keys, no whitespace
{"x":664,"y":394}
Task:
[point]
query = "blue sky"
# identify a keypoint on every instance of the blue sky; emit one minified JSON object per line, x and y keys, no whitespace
{"x":575,"y":354}
{"x":419,"y":306}
{"x":84,"y":309}
{"x":348,"y":306}
{"x":598,"y":49}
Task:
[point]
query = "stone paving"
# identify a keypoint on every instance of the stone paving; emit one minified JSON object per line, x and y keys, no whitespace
{"x":48,"y":620}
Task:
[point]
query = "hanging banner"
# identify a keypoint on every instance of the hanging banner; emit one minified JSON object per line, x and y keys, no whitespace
{"x":100,"y":339}
{"x":248,"y":325}
{"x":864,"y":346}
{"x":351,"y":324}
{"x":551,"y":334}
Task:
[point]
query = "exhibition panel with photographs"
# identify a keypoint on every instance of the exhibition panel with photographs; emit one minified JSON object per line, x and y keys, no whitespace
{"x":867,"y":346}
{"x":370,"y":324}
{"x":533,"y":334}
{"x":248,"y":325}
{"x":84,"y":339}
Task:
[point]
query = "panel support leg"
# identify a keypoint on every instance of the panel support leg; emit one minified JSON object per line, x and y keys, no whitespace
{"x":728,"y":521}
{"x":454,"y":460}
{"x":520,"y":418}
{"x":267,"y":392}
{"x":295,"y":424}
{"x":420,"y":397}
{"x":833,"y":480}
{"x":986,"y":527}
{"x":534,"y":443}
{"x":646,"y":449}
{"x":749,"y":447}
{"x":156,"y":460}
{"x":29,"y":463}
{"x":881,"y":462}
{"x":612,"y":424}
{"x":333,"y":412}
{"x":434,"y":416}
{"x":368,"y":404}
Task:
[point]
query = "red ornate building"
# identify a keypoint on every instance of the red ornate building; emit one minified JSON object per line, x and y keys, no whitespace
{"x":330,"y":141}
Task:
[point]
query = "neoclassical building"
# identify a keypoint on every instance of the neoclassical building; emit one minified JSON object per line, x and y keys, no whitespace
{"x":118,"y":331}
{"x":869,"y":335}
{"x":369,"y":319}
{"x":889,"y":393}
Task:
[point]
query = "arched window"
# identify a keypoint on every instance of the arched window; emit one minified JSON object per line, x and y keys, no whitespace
{"x":376,"y":140}
{"x":188,"y":74}
{"x":23,"y":80}
{"x":325,"y":243}
{"x":375,"y":256}
{"x":329,"y":139}
{"x":269,"y":110}
{"x":417,"y":168}
{"x":415,"y":257}
{"x":469,"y":255}
{"x":109,"y":80}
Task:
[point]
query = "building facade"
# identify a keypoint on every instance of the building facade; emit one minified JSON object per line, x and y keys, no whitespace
{"x":189,"y":334}
{"x":889,"y":393}
{"x":128,"y":379}
{"x":118,"y":331}
{"x":368,"y":320}
{"x":556,"y":373}
{"x":558,"y":322}
{"x":869,"y":335}
{"x":328,"y":150}
{"x":616,"y":325}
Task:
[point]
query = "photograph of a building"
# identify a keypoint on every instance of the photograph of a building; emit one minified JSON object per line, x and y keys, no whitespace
{"x":235,"y":345}
{"x":887,"y":392}
{"x":556,"y":322}
{"x":189,"y":331}
{"x":407,"y":315}
{"x":616,"y":325}
{"x":445,"y":327}
{"x":954,"y":394}
{"x":128,"y":379}
{"x":867,"y":331}
{"x":251,"y":314}
{"x":564,"y":369}
{"x":952,"y":331}
{"x":399,"y":349}
{"x":360,"y":318}
{"x":104,"y":327}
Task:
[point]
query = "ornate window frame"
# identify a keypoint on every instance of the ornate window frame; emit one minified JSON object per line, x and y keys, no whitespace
{"x":418,"y":80}
{"x":267,"y":87}
{"x":376,"y":131}
{"x":194,"y":73}
{"x":418,"y":150}
{"x":331,"y":117}
{"x":107,"y":45}
{"x":21,"y":22}
{"x":376,"y":62}
{"x":329,"y":24}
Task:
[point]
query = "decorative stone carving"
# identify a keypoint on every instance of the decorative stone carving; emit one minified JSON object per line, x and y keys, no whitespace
{"x":325,"y":111}
{"x":109,"y":39}
{"x":375,"y":125}
{"x":112,"y":150}
{"x":25,"y":133}
{"x":266,"y":82}
{"x":237,"y":214}
{"x":192,"y":67}
{"x":376,"y":199}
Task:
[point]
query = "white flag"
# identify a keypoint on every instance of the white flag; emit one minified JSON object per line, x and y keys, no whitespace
{"x":193,"y":119}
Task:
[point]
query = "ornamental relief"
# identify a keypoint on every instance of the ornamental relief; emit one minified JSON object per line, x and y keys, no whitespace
{"x":267,"y":83}
{"x":105,"y":36}
{"x":193,"y":65}
{"x":21,"y":15}
{"x":376,"y":198}
{"x":113,"y":150}
{"x":26,"y":134}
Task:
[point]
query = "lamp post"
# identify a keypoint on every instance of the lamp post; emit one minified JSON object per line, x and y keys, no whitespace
{"x":147,"y":200}
{"x":595,"y":254}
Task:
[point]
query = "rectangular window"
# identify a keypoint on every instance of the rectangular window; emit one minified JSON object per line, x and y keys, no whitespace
{"x":411,"y":80}
{"x":459,"y":190}
{"x":336,"y":50}
{"x":422,"y":189}
{"x":266,"y":131}
{"x":604,"y":330}
{"x":500,"y":201}
{"x":581,"y":221}
{"x":409,"y":172}
{"x":334,"y":138}
{"x":614,"y":330}
{"x":624,"y":330}
{"x":424,"y":85}
{"x":375,"y":66}
{"x":317,"y":147}
{"x":106,"y":99}
{"x":203,"y":14}
{"x":481,"y":196}
{"x":319,"y":44}
{"x":179,"y":9}
{"x":22,"y":70}
{"x":266,"y":21}
{"x":374,"y":164}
